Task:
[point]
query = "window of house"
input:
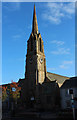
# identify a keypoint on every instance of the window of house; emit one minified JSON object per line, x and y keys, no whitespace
{"x":67,"y":92}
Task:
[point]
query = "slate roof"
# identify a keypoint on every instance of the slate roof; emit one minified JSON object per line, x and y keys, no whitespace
{"x":60,"y":79}
{"x":70,"y":83}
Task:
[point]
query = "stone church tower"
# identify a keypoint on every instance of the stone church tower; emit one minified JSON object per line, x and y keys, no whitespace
{"x":35,"y":59}
{"x":35,"y":72}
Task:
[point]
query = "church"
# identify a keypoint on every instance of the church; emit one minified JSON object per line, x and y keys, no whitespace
{"x":39,"y":88}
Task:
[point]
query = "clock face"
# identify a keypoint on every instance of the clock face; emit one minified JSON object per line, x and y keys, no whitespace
{"x":30,"y":60}
{"x":41,"y":60}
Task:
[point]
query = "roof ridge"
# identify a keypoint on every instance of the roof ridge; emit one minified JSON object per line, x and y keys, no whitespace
{"x":58,"y":74}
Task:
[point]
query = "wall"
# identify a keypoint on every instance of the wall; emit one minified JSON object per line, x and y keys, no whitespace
{"x":65,"y":98}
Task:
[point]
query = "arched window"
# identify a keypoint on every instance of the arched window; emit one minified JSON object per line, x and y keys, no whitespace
{"x":40,"y":44}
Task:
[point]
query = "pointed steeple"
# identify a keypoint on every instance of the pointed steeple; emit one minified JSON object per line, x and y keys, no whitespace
{"x":34,"y":25}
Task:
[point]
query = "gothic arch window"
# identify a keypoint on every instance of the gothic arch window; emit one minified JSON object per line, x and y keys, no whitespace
{"x":41,"y":47}
{"x":40,"y":44}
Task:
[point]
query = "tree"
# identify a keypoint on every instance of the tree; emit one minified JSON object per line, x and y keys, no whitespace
{"x":4,"y":93}
{"x":14,"y":91}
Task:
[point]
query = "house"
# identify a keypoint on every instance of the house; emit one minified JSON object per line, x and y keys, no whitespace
{"x":67,"y":98}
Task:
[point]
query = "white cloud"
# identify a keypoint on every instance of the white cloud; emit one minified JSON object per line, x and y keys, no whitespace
{"x":63,"y":67}
{"x":51,"y":68}
{"x":61,"y":51}
{"x":59,"y":43}
{"x":66,"y":64}
{"x":12,"y":6}
{"x":16,"y":36}
{"x":57,"y":11}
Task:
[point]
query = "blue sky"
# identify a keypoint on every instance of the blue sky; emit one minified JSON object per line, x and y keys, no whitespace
{"x":56,"y":23}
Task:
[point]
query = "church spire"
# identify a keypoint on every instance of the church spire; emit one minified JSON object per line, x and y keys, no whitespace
{"x":34,"y":25}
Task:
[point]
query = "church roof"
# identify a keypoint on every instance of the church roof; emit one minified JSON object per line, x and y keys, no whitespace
{"x":60,"y":79}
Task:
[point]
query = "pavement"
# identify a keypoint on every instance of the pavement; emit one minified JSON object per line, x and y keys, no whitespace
{"x":33,"y":115}
{"x":30,"y":115}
